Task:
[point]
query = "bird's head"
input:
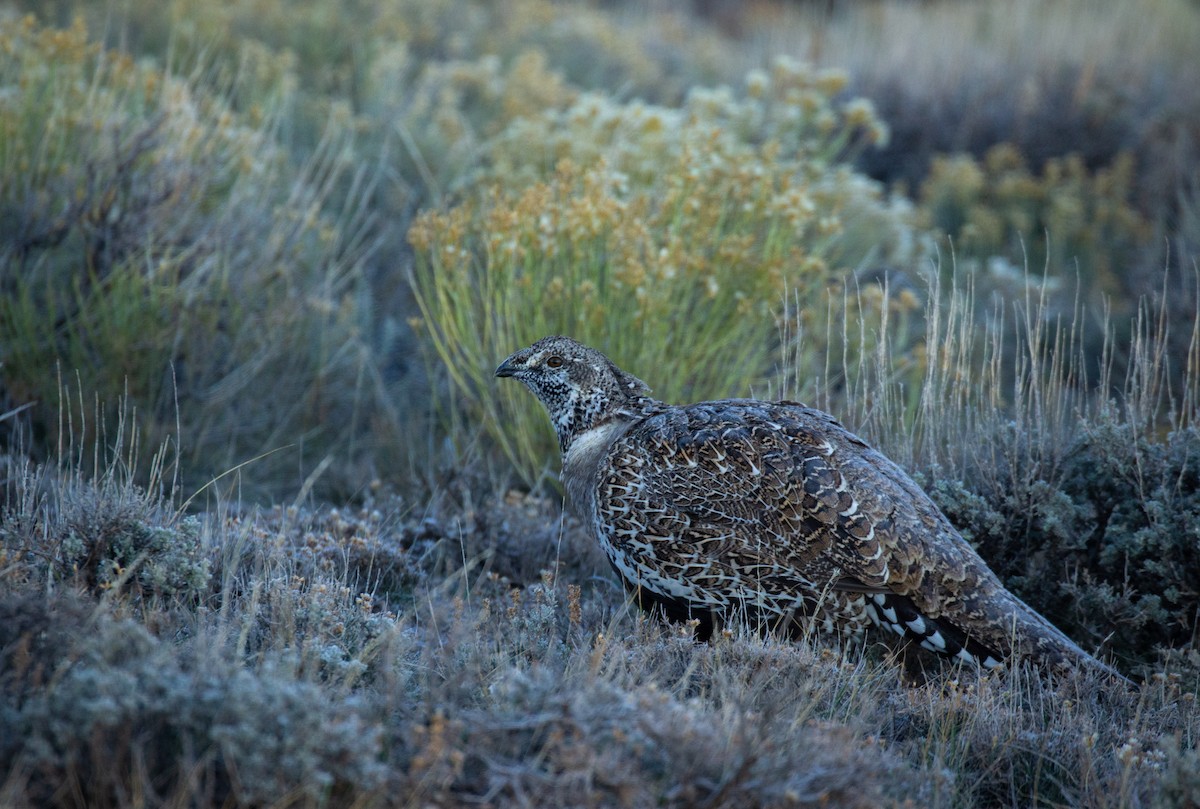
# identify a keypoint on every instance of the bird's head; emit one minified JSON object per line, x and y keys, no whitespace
{"x":580,"y":387}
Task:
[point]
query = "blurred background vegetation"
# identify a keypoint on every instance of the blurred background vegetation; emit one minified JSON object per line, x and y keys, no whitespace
{"x":270,"y":251}
{"x":207,"y":206}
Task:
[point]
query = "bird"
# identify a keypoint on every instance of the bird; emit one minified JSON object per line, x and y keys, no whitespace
{"x":772,"y":513}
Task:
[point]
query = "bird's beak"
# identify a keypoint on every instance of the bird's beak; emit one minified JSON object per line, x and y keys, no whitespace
{"x":506,"y":368}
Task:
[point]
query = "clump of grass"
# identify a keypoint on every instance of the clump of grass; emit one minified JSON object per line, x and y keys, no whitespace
{"x":107,"y":537}
{"x":84,"y":526}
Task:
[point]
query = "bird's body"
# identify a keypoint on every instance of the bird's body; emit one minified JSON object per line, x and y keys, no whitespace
{"x":770,"y":512}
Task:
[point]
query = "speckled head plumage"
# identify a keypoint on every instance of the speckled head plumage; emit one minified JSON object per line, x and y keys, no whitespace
{"x":579,"y":386}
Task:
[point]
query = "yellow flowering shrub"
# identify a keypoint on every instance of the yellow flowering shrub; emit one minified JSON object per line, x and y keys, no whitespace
{"x":781,"y":123}
{"x":670,"y":238}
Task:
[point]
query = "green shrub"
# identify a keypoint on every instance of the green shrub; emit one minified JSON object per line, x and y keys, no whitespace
{"x":332,"y":47}
{"x":428,"y":83}
{"x":1074,"y":77}
{"x":1181,"y":779}
{"x":159,"y":250}
{"x":1080,"y":488}
{"x":1106,"y":543}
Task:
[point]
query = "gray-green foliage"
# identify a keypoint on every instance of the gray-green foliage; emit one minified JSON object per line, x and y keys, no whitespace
{"x":160,"y":248}
{"x":100,"y":535}
{"x":120,"y":699}
{"x":1107,"y":543}
{"x":1181,"y":779}
{"x":182,"y":243}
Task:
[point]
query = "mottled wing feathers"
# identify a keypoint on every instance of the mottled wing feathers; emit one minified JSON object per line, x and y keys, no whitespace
{"x":742,"y":503}
{"x":786,"y":492}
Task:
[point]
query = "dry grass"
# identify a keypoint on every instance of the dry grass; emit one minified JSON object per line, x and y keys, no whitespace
{"x":302,"y":679}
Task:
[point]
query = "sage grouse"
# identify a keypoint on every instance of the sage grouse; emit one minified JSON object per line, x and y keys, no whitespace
{"x":771,"y":511}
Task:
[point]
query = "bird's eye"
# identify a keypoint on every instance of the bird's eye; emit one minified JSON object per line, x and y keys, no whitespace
{"x":554,"y":361}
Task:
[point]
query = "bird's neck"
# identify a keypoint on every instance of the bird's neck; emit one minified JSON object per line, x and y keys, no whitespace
{"x":583,"y":461}
{"x":577,"y":413}
{"x":583,"y":412}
